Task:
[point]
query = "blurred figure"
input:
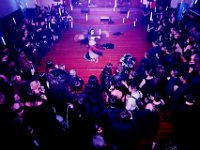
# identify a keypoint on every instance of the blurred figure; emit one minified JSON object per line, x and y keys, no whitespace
{"x":93,"y":49}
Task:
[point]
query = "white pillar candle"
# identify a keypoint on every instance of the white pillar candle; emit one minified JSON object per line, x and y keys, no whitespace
{"x":14,"y":20}
{"x":128,"y":13}
{"x":99,"y":31}
{"x":123,"y":20}
{"x":47,"y":83}
{"x":134,"y":23}
{"x":115,"y":4}
{"x":147,"y":5}
{"x":4,"y":43}
{"x":49,"y":25}
{"x":160,"y":37}
{"x":86,"y":17}
{"x":72,"y":25}
{"x":151,"y":16}
{"x":148,"y":27}
{"x":59,"y":10}
{"x":71,"y":7}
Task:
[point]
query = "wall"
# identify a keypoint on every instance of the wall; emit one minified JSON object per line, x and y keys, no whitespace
{"x":48,"y":2}
{"x":7,"y":7}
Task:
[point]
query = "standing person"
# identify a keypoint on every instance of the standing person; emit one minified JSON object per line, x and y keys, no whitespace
{"x":93,"y":50}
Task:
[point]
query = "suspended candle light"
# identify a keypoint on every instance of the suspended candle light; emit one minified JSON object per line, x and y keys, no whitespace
{"x":35,"y":1}
{"x":195,"y":2}
{"x":89,"y":1}
{"x":4,"y":43}
{"x":86,"y":17}
{"x":151,"y":16}
{"x":100,"y":32}
{"x":14,"y":20}
{"x":47,"y":84}
{"x":155,"y":9}
{"x":123,"y":20}
{"x":49,"y":25}
{"x":115,"y":4}
{"x":134,"y":23}
{"x":160,"y":37}
{"x":147,"y":4}
{"x":59,"y":10}
{"x":148,"y":27}
{"x":166,"y":8}
{"x":72,"y":25}
{"x":128,"y":13}
{"x":71,"y":7}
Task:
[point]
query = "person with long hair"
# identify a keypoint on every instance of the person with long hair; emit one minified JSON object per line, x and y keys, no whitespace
{"x":94,"y":51}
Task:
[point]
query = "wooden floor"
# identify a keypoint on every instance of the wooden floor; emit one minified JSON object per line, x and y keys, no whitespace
{"x":71,"y":53}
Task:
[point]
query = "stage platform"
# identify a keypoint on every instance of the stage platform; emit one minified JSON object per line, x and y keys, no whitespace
{"x":105,"y":19}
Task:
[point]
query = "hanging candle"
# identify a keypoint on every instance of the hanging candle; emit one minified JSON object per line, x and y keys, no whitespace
{"x":115,"y":4}
{"x":99,"y":31}
{"x":49,"y":25}
{"x":4,"y":43}
{"x":151,"y":16}
{"x":59,"y":10}
{"x":72,"y":25}
{"x":14,"y":20}
{"x":148,"y":27}
{"x":86,"y":17}
{"x":128,"y":13}
{"x":71,"y":7}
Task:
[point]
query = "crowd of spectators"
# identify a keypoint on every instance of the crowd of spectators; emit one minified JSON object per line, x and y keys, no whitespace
{"x":55,"y":109}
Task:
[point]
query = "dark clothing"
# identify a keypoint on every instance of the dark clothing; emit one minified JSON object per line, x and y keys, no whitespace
{"x":124,"y":134}
{"x":93,"y":103}
{"x":149,"y":87}
{"x":170,"y":86}
{"x":178,"y":97}
{"x":148,"y":123}
{"x":153,"y":51}
{"x":58,"y":96}
{"x":187,"y":126}
{"x":46,"y":129}
{"x":75,"y":83}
